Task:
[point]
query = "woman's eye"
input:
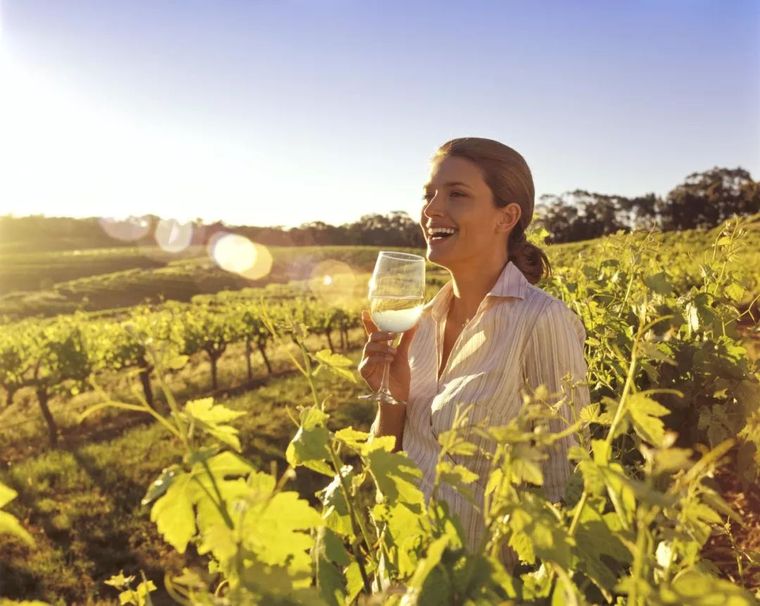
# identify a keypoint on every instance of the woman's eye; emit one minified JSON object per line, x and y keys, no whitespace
{"x":457,"y":193}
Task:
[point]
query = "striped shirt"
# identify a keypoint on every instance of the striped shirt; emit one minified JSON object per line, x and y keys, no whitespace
{"x":520,"y":337}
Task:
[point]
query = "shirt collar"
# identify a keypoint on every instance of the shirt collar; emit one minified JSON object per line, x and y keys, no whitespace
{"x":510,"y":283}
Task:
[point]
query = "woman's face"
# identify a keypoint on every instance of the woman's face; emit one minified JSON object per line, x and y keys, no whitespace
{"x":462,"y":225}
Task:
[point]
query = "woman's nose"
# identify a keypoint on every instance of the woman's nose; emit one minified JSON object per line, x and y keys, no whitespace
{"x":432,"y":207}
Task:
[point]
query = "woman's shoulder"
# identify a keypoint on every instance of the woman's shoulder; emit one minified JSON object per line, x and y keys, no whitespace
{"x":553,"y":311}
{"x":537,"y":297}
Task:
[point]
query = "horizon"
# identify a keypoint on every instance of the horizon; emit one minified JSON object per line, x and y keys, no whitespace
{"x":204,"y":112}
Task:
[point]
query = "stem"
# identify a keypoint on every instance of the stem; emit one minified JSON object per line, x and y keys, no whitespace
{"x":221,"y":505}
{"x":355,"y":522}
{"x":309,"y":374}
{"x":637,"y":561}
{"x":613,"y":426}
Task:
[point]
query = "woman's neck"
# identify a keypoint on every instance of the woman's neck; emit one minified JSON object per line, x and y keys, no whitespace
{"x":470,"y":285}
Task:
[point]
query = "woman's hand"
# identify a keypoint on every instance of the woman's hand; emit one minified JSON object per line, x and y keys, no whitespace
{"x":377,"y":350}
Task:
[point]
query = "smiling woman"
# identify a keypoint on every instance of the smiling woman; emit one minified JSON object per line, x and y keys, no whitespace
{"x":490,"y":335}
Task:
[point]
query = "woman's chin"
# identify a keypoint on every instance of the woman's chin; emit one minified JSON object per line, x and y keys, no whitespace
{"x":436,"y":255}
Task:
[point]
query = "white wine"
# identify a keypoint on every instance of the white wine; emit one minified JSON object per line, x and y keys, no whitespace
{"x":396,"y":314}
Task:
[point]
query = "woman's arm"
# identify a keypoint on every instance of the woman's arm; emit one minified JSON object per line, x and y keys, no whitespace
{"x":389,"y":421}
{"x":554,"y":351}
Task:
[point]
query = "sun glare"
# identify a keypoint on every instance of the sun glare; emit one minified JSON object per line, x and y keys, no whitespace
{"x":128,"y":230}
{"x":334,"y":282}
{"x":173,"y":236}
{"x":237,"y":254}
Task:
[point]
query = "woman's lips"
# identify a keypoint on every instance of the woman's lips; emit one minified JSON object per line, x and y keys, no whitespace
{"x":437,"y":240}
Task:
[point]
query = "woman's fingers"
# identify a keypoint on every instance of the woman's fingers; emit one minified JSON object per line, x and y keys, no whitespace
{"x":380,"y":336}
{"x":369,"y":326}
{"x":377,"y":347}
{"x":406,"y":339}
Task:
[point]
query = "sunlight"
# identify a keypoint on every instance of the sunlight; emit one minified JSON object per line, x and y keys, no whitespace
{"x":237,"y":254}
{"x":334,"y":282}
{"x":173,"y":236}
{"x":128,"y":230}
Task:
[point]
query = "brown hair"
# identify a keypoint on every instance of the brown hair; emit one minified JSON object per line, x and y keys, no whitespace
{"x":507,"y":175}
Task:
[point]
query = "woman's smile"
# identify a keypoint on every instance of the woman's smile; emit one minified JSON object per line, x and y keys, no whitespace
{"x":438,"y":235}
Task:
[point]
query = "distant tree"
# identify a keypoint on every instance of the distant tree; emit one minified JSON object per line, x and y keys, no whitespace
{"x":708,"y":198}
{"x":396,"y":228}
{"x":581,"y":215}
{"x":640,"y":212}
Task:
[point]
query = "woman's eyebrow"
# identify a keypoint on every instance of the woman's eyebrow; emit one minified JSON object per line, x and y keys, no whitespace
{"x":447,"y":184}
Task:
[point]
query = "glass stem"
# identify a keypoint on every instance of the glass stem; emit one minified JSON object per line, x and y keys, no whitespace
{"x":384,"y":393}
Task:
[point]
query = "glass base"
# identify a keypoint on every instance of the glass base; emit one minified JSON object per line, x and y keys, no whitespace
{"x":381,"y":397}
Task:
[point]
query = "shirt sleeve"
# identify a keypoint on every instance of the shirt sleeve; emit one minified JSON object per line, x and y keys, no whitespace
{"x":554,"y":358}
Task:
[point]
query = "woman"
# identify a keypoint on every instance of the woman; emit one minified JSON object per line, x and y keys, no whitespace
{"x":489,"y":334}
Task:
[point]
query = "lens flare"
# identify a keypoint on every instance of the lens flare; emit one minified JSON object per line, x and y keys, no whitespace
{"x":334,"y":282}
{"x":237,"y":254}
{"x":173,"y":236}
{"x":128,"y":230}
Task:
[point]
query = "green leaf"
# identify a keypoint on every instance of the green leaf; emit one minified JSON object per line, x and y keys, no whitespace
{"x":7,"y":494}
{"x":695,"y":588}
{"x":230,"y":464}
{"x":178,"y":362}
{"x":336,"y":363}
{"x":735,"y":292}
{"x":436,"y":589}
{"x":385,"y":443}
{"x":645,"y":413}
{"x":278,"y":531}
{"x":160,"y":485}
{"x":590,"y":413}
{"x":10,"y":525}
{"x":119,"y":580}
{"x":212,"y":414}
{"x":352,"y":437}
{"x":599,"y":548}
{"x":659,"y":283}
{"x":426,"y":565}
{"x":671,"y":459}
{"x":396,"y":476}
{"x":459,"y":477}
{"x":173,"y":513}
{"x":593,"y":477}
{"x":334,"y":507}
{"x":406,"y":532}
{"x":330,"y":557}
{"x":309,"y":446}
{"x":354,"y":582}
{"x":213,"y":418}
{"x":601,"y":451}
{"x":537,"y":533}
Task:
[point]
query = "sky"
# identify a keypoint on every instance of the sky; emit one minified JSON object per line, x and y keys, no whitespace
{"x":281,"y":112}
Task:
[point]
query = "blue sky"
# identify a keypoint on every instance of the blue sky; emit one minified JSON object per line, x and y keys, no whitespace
{"x":282,"y":112}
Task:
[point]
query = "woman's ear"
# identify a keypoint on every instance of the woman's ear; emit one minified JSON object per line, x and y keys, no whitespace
{"x":509,"y":216}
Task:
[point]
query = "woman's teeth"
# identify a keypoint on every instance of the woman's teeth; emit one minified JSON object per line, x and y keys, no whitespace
{"x":438,"y":233}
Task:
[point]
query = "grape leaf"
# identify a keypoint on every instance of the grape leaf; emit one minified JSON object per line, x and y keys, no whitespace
{"x":173,"y":512}
{"x":645,"y":413}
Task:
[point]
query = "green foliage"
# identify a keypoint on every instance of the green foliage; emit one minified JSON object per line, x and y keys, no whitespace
{"x":673,"y":394}
{"x":8,"y":523}
{"x":139,"y":596}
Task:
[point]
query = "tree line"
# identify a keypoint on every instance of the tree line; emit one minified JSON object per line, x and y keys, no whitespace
{"x":705,"y":199}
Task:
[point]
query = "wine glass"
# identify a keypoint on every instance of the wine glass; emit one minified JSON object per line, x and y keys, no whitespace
{"x":396,"y":294}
